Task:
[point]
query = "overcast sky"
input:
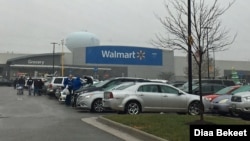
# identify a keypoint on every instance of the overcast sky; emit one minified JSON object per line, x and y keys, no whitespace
{"x":29,"y":26}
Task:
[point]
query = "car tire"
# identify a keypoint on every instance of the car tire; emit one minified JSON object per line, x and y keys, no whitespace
{"x":233,"y":113}
{"x":194,"y":108}
{"x":97,"y":106}
{"x":133,"y":108}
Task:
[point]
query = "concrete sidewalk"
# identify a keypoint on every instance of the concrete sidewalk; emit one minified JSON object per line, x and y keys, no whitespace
{"x":122,"y":131}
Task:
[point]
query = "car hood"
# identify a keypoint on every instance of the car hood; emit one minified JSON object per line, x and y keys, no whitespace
{"x":221,"y":97}
{"x":243,"y":94}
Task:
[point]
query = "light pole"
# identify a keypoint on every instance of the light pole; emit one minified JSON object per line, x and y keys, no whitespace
{"x":62,"y":57}
{"x":189,"y":49}
{"x":53,"y":70}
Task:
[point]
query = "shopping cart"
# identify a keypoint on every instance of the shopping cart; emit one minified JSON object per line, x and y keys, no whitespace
{"x":19,"y":89}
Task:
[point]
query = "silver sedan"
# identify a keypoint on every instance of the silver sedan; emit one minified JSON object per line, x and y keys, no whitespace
{"x":151,"y":97}
{"x":93,"y":100}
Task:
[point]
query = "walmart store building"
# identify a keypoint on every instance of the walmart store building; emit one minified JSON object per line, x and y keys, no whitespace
{"x":88,"y":57}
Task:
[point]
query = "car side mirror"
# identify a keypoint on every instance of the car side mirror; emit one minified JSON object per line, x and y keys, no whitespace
{"x":180,"y":92}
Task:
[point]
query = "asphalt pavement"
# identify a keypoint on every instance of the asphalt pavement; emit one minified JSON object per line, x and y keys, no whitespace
{"x":40,"y":118}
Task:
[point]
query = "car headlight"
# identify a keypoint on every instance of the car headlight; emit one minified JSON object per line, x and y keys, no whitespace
{"x":87,"y":96}
{"x":223,"y":101}
{"x":247,"y":98}
{"x":208,"y":99}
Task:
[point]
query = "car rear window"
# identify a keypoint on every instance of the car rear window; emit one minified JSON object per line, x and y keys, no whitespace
{"x":229,"y":83}
{"x":58,"y":80}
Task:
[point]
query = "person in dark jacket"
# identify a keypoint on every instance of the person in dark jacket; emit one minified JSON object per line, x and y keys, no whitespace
{"x":29,"y":84}
{"x":38,"y":85}
{"x":77,"y":84}
{"x":89,"y":80}
{"x":68,"y":83}
{"x":15,"y":83}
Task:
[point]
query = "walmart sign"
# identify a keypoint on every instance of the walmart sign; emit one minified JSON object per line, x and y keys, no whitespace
{"x":126,"y":55}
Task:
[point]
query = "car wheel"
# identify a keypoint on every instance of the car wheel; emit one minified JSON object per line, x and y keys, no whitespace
{"x":223,"y":113}
{"x":97,"y":106}
{"x":133,"y":108}
{"x":194,"y":108}
{"x":233,"y":113}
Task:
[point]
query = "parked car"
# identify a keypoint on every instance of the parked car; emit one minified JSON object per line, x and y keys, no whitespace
{"x":5,"y":82}
{"x":109,"y":82}
{"x":226,"y":82}
{"x":208,"y":98}
{"x":220,"y":104}
{"x":151,"y":97}
{"x":240,"y":103}
{"x":177,"y":84}
{"x":207,"y":88}
{"x":54,"y":84}
{"x":226,"y":90}
{"x":93,"y":100}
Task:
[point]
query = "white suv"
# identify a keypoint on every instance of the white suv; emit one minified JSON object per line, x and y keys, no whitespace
{"x":53,"y":84}
{"x":240,"y":103}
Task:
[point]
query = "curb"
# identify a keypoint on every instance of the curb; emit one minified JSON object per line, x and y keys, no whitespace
{"x":132,"y":131}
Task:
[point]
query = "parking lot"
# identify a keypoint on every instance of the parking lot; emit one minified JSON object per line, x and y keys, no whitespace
{"x":40,"y":118}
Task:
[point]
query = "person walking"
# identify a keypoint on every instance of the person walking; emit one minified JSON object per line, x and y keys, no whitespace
{"x":38,"y":85}
{"x":29,"y":84}
{"x":15,"y":83}
{"x":68,"y":83}
{"x":77,"y":84}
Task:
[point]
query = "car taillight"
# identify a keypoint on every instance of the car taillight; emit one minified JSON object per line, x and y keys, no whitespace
{"x":50,"y":85}
{"x":111,"y":95}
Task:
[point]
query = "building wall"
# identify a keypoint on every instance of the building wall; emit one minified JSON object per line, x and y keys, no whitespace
{"x":224,"y":66}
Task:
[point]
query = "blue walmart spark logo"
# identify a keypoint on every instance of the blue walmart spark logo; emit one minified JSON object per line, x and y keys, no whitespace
{"x":141,"y":55}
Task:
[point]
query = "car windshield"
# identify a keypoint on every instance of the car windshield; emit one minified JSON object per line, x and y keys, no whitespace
{"x":102,"y":83}
{"x":224,"y":90}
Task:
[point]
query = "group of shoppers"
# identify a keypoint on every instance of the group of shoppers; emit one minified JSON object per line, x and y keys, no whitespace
{"x":38,"y":85}
{"x":33,"y":85}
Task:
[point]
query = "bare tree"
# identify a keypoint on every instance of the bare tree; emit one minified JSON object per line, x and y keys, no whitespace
{"x":212,"y":70}
{"x":166,"y":75}
{"x":207,"y":30}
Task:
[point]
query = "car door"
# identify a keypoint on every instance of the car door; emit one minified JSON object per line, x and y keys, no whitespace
{"x":172,"y":100}
{"x":150,"y":97}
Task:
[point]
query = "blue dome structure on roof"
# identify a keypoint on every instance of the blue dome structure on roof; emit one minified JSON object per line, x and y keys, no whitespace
{"x":81,"y":39}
